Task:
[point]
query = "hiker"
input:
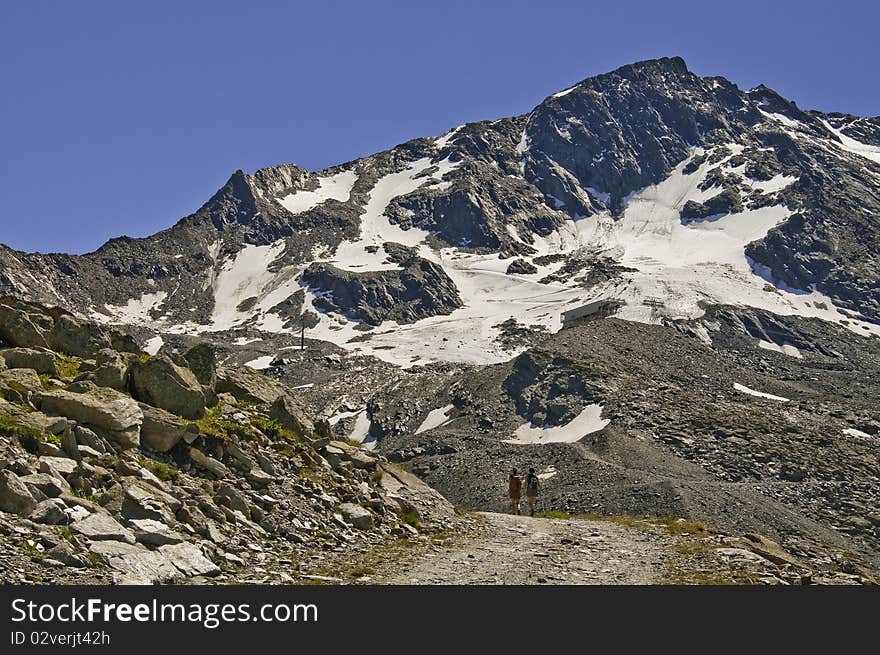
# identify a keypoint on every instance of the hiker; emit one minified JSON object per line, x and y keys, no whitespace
{"x":514,"y":490}
{"x":532,"y":484}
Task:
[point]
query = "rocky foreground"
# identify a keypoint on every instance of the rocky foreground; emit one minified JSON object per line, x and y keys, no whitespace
{"x":120,"y":467}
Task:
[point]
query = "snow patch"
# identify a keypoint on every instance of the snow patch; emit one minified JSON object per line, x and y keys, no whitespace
{"x":588,"y":421}
{"x":261,"y":363}
{"x":785,"y":348}
{"x":335,"y":187}
{"x":153,"y":346}
{"x":138,"y":310}
{"x":240,"y":278}
{"x":361,"y":431}
{"x":435,"y":419}
{"x":759,"y":394}
{"x":856,"y":147}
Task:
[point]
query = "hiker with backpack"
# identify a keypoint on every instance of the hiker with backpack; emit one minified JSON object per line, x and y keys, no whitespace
{"x":514,"y":490}
{"x":532,"y":484}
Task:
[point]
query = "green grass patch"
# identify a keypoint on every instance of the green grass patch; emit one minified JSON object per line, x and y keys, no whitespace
{"x":212,"y":424}
{"x":272,"y":428}
{"x":143,"y":358}
{"x":68,"y":367}
{"x":31,"y":550}
{"x":410,"y":519}
{"x":163,"y":471}
{"x":553,"y":514}
{"x":376,"y":476}
{"x":10,"y":424}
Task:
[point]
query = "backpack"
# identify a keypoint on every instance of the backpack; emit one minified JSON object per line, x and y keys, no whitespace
{"x":515,"y":486}
{"x":532,"y":485}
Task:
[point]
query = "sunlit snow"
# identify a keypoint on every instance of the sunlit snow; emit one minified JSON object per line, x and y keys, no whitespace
{"x":588,"y":421}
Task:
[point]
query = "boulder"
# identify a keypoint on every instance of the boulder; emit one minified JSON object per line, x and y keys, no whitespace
{"x":110,"y":413}
{"x":85,"y":437}
{"x":230,"y":497}
{"x":202,"y":361}
{"x":57,"y":466}
{"x":162,"y":383}
{"x":102,"y":527}
{"x":21,"y":380}
{"x":357,"y":516}
{"x":248,"y":385}
{"x":208,"y":463}
{"x":44,"y":362}
{"x":136,"y":564}
{"x":189,"y":559}
{"x":161,"y":430}
{"x":154,"y":533}
{"x":65,"y":554}
{"x":111,"y":369}
{"x":142,"y":501}
{"x":73,"y":337}
{"x":14,"y":495}
{"x":51,"y":486}
{"x":51,"y":512}
{"x":21,"y":328}
{"x":292,"y":416}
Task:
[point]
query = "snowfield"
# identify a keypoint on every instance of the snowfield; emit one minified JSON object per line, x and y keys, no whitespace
{"x":588,"y":421}
{"x":336,"y":187}
{"x":758,"y":394}
{"x":435,"y":419}
{"x":677,"y":266}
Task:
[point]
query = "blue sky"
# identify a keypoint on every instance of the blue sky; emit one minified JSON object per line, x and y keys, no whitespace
{"x":121,"y":117}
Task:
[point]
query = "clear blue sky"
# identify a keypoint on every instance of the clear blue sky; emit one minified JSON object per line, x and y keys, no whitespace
{"x":120,"y":117}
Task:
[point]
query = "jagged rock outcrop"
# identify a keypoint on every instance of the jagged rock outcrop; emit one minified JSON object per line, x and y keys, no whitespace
{"x":418,"y":290}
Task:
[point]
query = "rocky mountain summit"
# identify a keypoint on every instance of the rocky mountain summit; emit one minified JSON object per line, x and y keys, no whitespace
{"x":658,"y":289}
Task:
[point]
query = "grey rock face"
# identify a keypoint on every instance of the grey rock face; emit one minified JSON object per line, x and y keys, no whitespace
{"x":419,"y":290}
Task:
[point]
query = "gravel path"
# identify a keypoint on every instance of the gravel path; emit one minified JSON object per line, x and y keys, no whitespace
{"x":513,"y":549}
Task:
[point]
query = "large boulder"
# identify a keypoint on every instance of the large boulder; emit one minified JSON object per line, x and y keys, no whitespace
{"x":14,"y":495}
{"x":248,"y":385}
{"x":103,"y":527}
{"x":292,"y":416}
{"x":202,"y":360}
{"x":111,"y":369}
{"x":50,"y":485}
{"x":162,"y":383}
{"x":21,"y":328}
{"x":43,"y":361}
{"x":161,"y":430}
{"x":110,"y":413}
{"x":77,"y":338}
{"x":189,"y":559}
{"x":20,"y":380}
{"x":136,"y":564}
